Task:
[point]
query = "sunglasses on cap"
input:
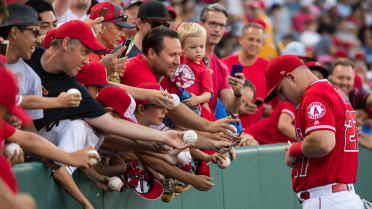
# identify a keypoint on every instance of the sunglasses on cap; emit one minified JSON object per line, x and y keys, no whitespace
{"x":121,"y":18}
{"x":157,"y":24}
{"x":34,"y":31}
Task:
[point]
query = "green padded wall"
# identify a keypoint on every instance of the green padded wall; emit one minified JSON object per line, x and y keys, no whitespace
{"x":259,"y":179}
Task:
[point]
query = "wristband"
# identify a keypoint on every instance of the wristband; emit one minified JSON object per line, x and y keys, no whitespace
{"x":295,"y":150}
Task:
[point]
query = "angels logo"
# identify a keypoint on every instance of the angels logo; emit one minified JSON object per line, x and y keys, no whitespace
{"x":316,"y":110}
{"x":184,"y":76}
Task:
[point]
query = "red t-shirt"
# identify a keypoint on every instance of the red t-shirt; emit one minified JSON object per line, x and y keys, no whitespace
{"x":219,"y":78}
{"x":255,"y":74}
{"x":138,"y":71}
{"x":6,"y":172}
{"x":324,"y":107}
{"x":266,"y":131}
{"x":193,"y":77}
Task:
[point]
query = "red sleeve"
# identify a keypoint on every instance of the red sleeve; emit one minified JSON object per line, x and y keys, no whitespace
{"x":205,"y":80}
{"x":289,"y":109}
{"x":317,"y":114}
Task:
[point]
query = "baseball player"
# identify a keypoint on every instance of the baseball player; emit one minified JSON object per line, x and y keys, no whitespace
{"x":325,"y":157}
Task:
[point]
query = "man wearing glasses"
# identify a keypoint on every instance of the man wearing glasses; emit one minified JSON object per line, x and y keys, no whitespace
{"x":214,"y":19}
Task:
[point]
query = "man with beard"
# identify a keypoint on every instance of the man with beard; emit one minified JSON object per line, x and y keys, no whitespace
{"x":67,"y":10}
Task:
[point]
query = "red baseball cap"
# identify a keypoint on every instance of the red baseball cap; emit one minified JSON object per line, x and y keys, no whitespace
{"x":8,"y":95}
{"x":93,"y":73}
{"x":77,"y":29}
{"x":147,"y":85}
{"x":313,"y":65}
{"x":114,"y":14}
{"x":277,"y":69}
{"x":119,"y":100}
{"x":49,"y":37}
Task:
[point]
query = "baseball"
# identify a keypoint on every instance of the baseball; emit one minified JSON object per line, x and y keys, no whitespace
{"x":230,"y":132}
{"x":190,"y":136}
{"x":115,"y":183}
{"x":175,"y":100}
{"x":73,"y":91}
{"x":93,"y":161}
{"x":11,"y":148}
{"x":184,"y":158}
{"x":224,"y":163}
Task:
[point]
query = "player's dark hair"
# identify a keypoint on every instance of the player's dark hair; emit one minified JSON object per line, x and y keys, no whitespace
{"x":154,"y":39}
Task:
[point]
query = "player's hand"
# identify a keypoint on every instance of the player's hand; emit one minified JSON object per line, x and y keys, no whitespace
{"x":160,"y":98}
{"x":222,"y":125}
{"x":202,"y":183}
{"x":174,"y":139}
{"x":69,"y":100}
{"x":290,"y":160}
{"x":236,"y":83}
{"x":81,"y":158}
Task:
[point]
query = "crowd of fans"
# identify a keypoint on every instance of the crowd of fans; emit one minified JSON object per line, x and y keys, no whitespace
{"x":130,"y":79}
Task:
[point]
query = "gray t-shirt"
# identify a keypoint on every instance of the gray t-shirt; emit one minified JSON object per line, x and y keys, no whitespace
{"x":29,"y":83}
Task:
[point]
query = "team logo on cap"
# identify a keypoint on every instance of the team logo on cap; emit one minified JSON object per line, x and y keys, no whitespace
{"x":316,"y":110}
{"x":184,"y":76}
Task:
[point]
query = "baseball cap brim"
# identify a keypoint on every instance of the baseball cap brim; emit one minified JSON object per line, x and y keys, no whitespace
{"x":322,"y":70}
{"x":271,"y":94}
{"x":103,"y":85}
{"x":155,"y":192}
{"x":94,"y":45}
{"x":20,"y":114}
{"x":133,"y":4}
{"x":124,"y":24}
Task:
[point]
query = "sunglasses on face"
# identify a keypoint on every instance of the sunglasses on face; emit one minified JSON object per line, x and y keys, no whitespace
{"x":34,"y":31}
{"x":157,"y":24}
{"x":122,"y":18}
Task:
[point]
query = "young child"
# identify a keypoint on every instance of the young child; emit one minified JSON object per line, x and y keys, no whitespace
{"x":191,"y":74}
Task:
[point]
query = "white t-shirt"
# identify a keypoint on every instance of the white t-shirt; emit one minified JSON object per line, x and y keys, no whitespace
{"x":29,"y":83}
{"x":68,"y":15}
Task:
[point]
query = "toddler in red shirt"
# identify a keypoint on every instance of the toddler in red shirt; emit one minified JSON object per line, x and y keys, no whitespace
{"x":191,"y":74}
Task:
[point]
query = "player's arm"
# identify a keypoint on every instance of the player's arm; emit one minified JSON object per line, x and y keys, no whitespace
{"x":316,"y":144}
{"x":63,"y":100}
{"x":36,"y":144}
{"x":285,"y":125}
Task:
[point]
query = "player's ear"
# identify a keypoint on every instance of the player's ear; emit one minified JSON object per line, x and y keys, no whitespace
{"x":291,"y":76}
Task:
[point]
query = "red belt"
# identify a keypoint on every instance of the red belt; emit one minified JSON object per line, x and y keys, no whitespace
{"x":335,"y":188}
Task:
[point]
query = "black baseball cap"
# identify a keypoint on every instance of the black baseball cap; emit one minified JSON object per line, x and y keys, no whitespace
{"x":153,"y":10}
{"x":20,"y":14}
{"x":114,"y":14}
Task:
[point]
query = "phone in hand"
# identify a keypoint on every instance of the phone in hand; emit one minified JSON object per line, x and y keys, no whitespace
{"x":236,"y":68}
{"x":103,"y":12}
{"x":258,"y":102}
{"x":126,"y":44}
{"x":4,"y":47}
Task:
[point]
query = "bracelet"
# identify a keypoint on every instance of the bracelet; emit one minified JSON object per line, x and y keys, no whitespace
{"x":295,"y":150}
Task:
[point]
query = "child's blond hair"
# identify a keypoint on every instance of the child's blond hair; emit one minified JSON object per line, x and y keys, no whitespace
{"x":190,"y":29}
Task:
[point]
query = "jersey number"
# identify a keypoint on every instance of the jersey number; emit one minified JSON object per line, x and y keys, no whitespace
{"x":351,"y":140}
